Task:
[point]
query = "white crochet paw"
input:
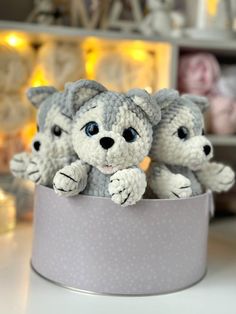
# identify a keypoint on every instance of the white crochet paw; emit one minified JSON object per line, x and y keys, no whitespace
{"x":18,"y":165}
{"x":179,"y":187}
{"x":69,"y":181}
{"x":127,"y":186}
{"x":35,"y":171}
{"x":222,"y":179}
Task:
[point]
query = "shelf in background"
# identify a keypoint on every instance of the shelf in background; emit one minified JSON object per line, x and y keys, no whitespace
{"x":40,"y":33}
{"x":36,"y":30}
{"x":222,"y":140}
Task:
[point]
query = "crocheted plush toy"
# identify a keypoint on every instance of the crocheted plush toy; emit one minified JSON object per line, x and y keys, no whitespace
{"x":112,"y":133}
{"x":180,"y":151}
{"x":51,"y":147}
{"x":161,"y":19}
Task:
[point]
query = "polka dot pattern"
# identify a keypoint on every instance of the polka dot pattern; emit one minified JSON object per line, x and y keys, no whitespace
{"x":90,"y":243}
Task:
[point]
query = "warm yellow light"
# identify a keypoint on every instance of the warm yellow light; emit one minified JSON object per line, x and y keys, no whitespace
{"x":38,"y":77}
{"x":138,"y":55}
{"x":15,"y":40}
{"x":91,"y":61}
{"x":136,"y":50}
{"x":27,"y":133}
{"x":212,"y":7}
{"x":3,"y":196}
{"x":163,"y":62}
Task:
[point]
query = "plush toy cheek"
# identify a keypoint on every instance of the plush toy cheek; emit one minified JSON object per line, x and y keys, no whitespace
{"x":198,"y":152}
{"x":89,"y":150}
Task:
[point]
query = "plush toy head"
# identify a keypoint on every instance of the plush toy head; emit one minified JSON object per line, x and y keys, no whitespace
{"x":111,"y":131}
{"x":179,"y":138}
{"x":54,"y":122}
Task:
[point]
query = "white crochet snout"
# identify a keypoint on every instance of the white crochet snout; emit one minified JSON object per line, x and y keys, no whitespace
{"x":199,"y":152}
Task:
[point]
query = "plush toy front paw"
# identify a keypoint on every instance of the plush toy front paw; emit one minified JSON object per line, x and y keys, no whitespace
{"x":35,"y":170}
{"x":217,"y":177}
{"x":226,"y":179}
{"x":70,"y":180}
{"x":180,"y":187}
{"x":18,"y":165}
{"x":127,"y":186}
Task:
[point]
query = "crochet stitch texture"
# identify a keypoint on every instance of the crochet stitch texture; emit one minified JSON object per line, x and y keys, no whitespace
{"x":51,"y":147}
{"x":111,"y":134}
{"x":181,"y":152}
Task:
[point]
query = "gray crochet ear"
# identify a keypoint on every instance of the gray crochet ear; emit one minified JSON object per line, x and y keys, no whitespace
{"x":146,"y":103}
{"x":81,"y":91}
{"x":37,"y":95}
{"x":166,"y":97}
{"x":200,"y":101}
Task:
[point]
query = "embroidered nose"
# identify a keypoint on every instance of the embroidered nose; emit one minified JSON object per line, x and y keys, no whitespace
{"x":106,"y":142}
{"x":37,"y":145}
{"x":207,"y":149}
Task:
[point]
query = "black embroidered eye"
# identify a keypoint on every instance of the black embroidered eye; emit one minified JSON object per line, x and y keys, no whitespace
{"x":203,"y":132}
{"x":56,"y":130}
{"x":130,"y":135}
{"x":183,"y":133}
{"x":91,"y":128}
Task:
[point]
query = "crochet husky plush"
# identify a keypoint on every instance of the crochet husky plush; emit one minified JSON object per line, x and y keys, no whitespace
{"x":111,"y":133}
{"x":51,"y":147}
{"x":180,"y":152}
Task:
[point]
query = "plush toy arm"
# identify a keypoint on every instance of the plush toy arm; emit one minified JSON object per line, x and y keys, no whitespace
{"x":71,"y":179}
{"x":42,"y":170}
{"x":127,"y":186}
{"x":19,"y":164}
{"x":216,"y":177}
{"x":166,"y":184}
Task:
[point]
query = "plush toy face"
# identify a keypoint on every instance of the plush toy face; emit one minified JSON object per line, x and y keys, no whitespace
{"x":109,"y":135}
{"x":179,"y":138}
{"x":113,"y":131}
{"x":53,"y":138}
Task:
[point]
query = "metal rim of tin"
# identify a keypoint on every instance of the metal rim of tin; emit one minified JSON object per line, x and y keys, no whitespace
{"x":112,"y":294}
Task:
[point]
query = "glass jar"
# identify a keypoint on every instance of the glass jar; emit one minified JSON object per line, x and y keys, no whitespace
{"x":7,"y":212}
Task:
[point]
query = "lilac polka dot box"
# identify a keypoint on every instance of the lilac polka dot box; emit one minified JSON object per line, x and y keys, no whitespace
{"x":93,"y":245}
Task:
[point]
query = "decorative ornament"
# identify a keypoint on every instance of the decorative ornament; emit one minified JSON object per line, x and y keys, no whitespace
{"x":15,"y":69}
{"x":125,"y":15}
{"x":7,"y":212}
{"x":162,"y":20}
{"x":89,"y":13}
{"x":212,"y":19}
{"x":61,"y":62}
{"x":45,"y":12}
{"x":222,"y":115}
{"x":125,"y":73}
{"x":14,"y":112}
{"x":198,"y":73}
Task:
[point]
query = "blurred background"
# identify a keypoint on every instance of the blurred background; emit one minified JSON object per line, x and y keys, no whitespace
{"x":152,"y":44}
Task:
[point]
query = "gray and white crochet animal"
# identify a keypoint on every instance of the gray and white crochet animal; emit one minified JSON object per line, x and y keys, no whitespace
{"x":180,"y":151}
{"x":51,"y":147}
{"x":112,"y":133}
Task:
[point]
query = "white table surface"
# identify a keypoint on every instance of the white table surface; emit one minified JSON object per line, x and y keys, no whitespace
{"x":22,"y":291}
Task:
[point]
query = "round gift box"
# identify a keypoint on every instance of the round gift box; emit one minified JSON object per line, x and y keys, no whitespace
{"x":93,"y":245}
